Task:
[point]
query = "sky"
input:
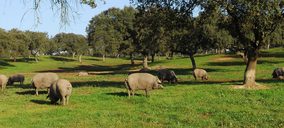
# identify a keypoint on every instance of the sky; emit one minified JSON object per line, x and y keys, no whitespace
{"x":19,"y":14}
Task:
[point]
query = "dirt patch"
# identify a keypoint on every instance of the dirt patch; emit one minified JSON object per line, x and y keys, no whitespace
{"x":256,"y":87}
{"x":225,"y":58}
{"x":112,"y":72}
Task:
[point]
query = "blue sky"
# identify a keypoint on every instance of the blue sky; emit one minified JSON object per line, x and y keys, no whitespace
{"x":18,"y":14}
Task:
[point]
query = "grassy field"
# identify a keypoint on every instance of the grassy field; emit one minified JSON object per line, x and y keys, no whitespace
{"x":100,"y":100}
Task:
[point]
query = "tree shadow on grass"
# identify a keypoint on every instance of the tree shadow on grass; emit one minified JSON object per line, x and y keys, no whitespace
{"x":41,"y":102}
{"x":27,"y":60}
{"x":272,"y":54}
{"x":271,"y":80}
{"x":226,"y":63}
{"x":4,"y":64}
{"x":24,"y":86}
{"x":225,"y":82}
{"x":103,"y":84}
{"x":240,"y":63}
{"x":116,"y":69}
{"x":269,"y":62}
{"x":94,"y":59}
{"x":60,"y":58}
{"x":206,"y":82}
{"x":122,"y":94}
{"x":31,"y":92}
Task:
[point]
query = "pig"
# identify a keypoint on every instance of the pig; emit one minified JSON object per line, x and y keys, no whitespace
{"x":3,"y":81}
{"x":142,"y":81}
{"x":43,"y":80}
{"x":168,"y":75}
{"x":278,"y":73}
{"x":16,"y":78}
{"x":200,"y":73}
{"x":144,"y":70}
{"x":83,"y":74}
{"x":60,"y":89}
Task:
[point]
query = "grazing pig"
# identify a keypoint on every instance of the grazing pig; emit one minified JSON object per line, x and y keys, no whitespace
{"x":145,"y":70}
{"x":278,"y":73}
{"x":142,"y":81}
{"x":3,"y":81}
{"x":83,"y":74}
{"x":168,"y":75}
{"x":60,"y":89}
{"x":16,"y":78}
{"x":43,"y":80}
{"x":200,"y":73}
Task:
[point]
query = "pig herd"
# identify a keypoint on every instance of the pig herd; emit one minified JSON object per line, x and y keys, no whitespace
{"x":61,"y":89}
{"x":58,"y":89}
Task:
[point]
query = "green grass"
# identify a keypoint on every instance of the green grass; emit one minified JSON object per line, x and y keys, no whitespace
{"x":100,"y":100}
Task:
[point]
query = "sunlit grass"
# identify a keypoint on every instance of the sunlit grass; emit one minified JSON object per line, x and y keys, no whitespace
{"x":100,"y":100}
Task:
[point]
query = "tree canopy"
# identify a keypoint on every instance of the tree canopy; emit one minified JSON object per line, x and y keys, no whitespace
{"x":110,"y":31}
{"x":72,"y":43}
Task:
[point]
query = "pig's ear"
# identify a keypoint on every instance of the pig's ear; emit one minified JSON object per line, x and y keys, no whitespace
{"x":158,"y":80}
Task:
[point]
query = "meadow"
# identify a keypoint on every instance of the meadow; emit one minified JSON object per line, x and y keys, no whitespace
{"x":100,"y":99}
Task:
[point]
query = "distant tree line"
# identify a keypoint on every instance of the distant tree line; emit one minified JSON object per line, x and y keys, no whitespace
{"x":27,"y":44}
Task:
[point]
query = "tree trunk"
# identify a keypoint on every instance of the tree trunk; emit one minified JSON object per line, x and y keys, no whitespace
{"x":132,"y":59}
{"x":167,"y":56}
{"x":35,"y":56}
{"x":152,"y":58}
{"x":222,"y":51}
{"x":158,"y":57}
{"x":268,"y":46}
{"x":36,"y":59}
{"x":192,"y":61}
{"x":249,"y":76}
{"x":172,"y":54}
{"x":80,"y":58}
{"x":73,"y":55}
{"x":145,"y":61}
{"x":15,"y":59}
{"x":104,"y":57}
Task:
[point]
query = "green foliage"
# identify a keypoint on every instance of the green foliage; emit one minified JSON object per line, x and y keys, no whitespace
{"x":125,"y":26}
{"x":4,"y":42}
{"x":212,"y":28}
{"x":254,"y":21}
{"x":92,"y":3}
{"x":72,"y":43}
{"x":151,"y":27}
{"x":39,"y":42}
{"x":111,"y":32}
{"x":18,"y":44}
{"x":276,"y":38}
